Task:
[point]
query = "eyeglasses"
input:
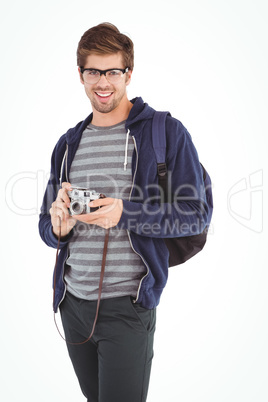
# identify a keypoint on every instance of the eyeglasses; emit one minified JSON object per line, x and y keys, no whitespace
{"x":113,"y":75}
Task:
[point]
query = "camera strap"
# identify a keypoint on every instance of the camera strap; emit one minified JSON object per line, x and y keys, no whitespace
{"x":104,"y":255}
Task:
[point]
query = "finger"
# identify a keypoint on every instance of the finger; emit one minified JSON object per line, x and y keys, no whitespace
{"x":66,"y":185}
{"x":63,"y":196}
{"x":56,"y":213}
{"x":60,"y":206}
{"x":101,"y":202}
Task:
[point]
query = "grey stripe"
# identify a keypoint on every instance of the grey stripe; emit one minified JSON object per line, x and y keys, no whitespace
{"x":95,"y":141}
{"x":86,"y":249}
{"x":105,"y":149}
{"x":81,"y":156}
{"x":102,"y":168}
{"x":109,"y":276}
{"x":81,"y":269}
{"x":97,"y":257}
{"x":93,"y":285}
{"x":90,"y":241}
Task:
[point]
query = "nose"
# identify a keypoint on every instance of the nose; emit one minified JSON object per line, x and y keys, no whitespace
{"x":103,"y":80}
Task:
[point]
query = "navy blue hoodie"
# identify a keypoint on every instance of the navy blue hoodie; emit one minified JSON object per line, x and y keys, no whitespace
{"x":146,"y":220}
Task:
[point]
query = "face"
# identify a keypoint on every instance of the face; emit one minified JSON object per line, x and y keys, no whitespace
{"x":104,"y":96}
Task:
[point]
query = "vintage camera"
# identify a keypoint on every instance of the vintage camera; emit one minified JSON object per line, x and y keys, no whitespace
{"x":80,"y":198}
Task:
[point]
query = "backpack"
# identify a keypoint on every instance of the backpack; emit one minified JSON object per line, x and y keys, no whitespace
{"x":180,"y":249}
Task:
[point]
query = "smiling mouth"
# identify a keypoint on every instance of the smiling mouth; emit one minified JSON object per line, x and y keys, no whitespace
{"x":104,"y":94}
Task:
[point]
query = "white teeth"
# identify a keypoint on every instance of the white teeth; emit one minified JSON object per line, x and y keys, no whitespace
{"x":104,"y":95}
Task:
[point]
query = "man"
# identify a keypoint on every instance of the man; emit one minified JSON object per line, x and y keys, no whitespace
{"x":111,"y":152}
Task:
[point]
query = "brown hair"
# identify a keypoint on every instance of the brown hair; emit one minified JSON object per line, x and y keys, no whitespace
{"x":103,"y":39}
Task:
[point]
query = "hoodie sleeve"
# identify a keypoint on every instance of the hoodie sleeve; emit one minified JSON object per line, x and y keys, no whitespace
{"x":53,"y":186}
{"x":185,"y":213}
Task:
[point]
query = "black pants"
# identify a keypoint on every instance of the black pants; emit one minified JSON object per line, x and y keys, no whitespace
{"x":115,"y":365}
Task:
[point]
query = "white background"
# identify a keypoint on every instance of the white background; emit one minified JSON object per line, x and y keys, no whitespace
{"x":206,"y":62}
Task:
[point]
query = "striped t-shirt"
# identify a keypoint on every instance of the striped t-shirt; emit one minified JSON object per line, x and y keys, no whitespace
{"x":99,"y":165}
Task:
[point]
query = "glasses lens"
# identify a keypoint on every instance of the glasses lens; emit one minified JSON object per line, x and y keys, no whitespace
{"x":114,"y":76}
{"x":93,"y":76}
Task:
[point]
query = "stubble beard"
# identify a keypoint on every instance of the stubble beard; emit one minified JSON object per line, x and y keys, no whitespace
{"x":102,"y":107}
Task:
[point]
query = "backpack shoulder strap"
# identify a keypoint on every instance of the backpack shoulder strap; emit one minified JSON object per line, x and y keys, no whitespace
{"x":159,"y":141}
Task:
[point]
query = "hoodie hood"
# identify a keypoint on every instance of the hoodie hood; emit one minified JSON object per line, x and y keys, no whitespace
{"x":140,"y":112}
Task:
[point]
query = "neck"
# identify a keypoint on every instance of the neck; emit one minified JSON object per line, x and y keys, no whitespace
{"x":120,"y":113}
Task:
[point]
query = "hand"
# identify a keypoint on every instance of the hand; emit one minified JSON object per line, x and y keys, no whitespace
{"x":61,"y":220}
{"x":107,"y":216}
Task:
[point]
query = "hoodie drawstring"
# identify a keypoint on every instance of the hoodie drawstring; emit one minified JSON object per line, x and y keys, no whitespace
{"x":62,"y":164}
{"x":125,"y":163}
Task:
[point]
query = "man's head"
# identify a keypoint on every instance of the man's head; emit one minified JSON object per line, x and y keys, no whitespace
{"x":105,"y":39}
{"x":105,"y":60}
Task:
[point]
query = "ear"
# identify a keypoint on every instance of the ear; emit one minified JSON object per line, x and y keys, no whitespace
{"x":128,"y":77}
{"x":80,"y":76}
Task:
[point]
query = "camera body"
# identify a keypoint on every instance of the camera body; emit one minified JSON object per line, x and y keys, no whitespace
{"x":80,"y":198}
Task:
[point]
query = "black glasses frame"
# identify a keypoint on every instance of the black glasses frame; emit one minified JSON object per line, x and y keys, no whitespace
{"x":124,"y":70}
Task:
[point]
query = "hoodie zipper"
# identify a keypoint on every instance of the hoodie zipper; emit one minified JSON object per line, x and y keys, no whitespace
{"x":66,"y":163}
{"x":62,"y":278}
{"x":130,"y":241}
{"x":126,"y":148}
{"x":65,"y":158}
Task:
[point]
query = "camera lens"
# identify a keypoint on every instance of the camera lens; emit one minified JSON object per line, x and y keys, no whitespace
{"x":76,"y":208}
